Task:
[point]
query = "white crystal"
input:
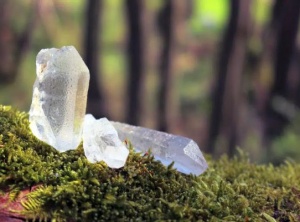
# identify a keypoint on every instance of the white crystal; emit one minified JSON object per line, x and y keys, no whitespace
{"x":101,"y":142}
{"x":59,"y":97}
{"x":165,"y":147}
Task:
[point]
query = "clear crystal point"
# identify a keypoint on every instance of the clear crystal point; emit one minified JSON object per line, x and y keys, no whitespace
{"x":101,"y":142}
{"x":165,"y":147}
{"x":59,"y":97}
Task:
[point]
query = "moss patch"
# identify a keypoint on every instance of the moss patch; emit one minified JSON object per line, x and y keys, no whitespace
{"x":67,"y":187}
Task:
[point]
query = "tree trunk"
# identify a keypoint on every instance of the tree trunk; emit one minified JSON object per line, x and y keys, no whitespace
{"x":166,"y":30}
{"x":218,"y":94}
{"x":135,"y":60}
{"x":95,"y":104}
{"x":226,"y":98}
{"x":275,"y":118}
{"x":13,"y":47}
{"x":268,"y":36}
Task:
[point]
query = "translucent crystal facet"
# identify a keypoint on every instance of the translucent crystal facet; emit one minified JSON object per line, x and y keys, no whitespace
{"x":165,"y":147}
{"x":59,"y":97}
{"x":101,"y":142}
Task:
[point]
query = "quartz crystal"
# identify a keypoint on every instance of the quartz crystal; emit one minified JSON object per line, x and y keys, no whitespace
{"x":101,"y":142}
{"x":165,"y":147}
{"x":59,"y":97}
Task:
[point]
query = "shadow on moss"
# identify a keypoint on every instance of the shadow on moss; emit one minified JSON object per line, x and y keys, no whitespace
{"x":66,"y":187}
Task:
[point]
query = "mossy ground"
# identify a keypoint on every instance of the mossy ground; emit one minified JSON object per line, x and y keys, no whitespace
{"x":69,"y":188}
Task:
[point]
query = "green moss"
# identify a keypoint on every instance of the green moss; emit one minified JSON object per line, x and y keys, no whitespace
{"x":67,"y":187}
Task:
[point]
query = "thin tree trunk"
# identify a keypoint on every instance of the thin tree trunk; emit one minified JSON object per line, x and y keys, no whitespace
{"x":6,"y":44}
{"x":135,"y":60}
{"x":218,"y":96}
{"x":14,"y":47}
{"x":275,"y":119}
{"x":263,"y":60}
{"x":233,"y":98}
{"x":95,"y":104}
{"x":296,"y":91}
{"x":227,"y":98}
{"x":166,"y":30}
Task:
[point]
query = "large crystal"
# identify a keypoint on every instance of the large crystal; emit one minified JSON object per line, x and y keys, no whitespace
{"x":165,"y":147}
{"x":59,"y":97}
{"x":101,"y":142}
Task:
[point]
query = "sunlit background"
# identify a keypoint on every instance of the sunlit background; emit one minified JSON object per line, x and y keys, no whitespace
{"x":232,"y":78}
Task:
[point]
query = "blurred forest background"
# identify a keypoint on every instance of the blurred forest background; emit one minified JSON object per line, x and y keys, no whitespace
{"x":225,"y":73}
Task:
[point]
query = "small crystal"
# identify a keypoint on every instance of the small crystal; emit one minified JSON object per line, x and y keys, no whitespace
{"x":59,"y":97}
{"x":101,"y":142}
{"x":165,"y":147}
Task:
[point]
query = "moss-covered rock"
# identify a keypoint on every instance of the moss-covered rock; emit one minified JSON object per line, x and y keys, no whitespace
{"x":66,"y":187}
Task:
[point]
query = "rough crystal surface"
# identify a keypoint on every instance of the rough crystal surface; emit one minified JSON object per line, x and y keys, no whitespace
{"x":165,"y":147}
{"x":101,"y":142}
{"x":59,"y":97}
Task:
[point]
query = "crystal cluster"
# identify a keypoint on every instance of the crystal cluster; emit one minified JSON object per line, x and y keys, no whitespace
{"x":101,"y":142}
{"x":165,"y":147}
{"x":59,"y":97}
{"x":57,"y":117}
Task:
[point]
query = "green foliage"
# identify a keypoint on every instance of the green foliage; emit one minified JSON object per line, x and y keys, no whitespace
{"x":65,"y":186}
{"x":208,"y":14}
{"x":287,"y":145}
